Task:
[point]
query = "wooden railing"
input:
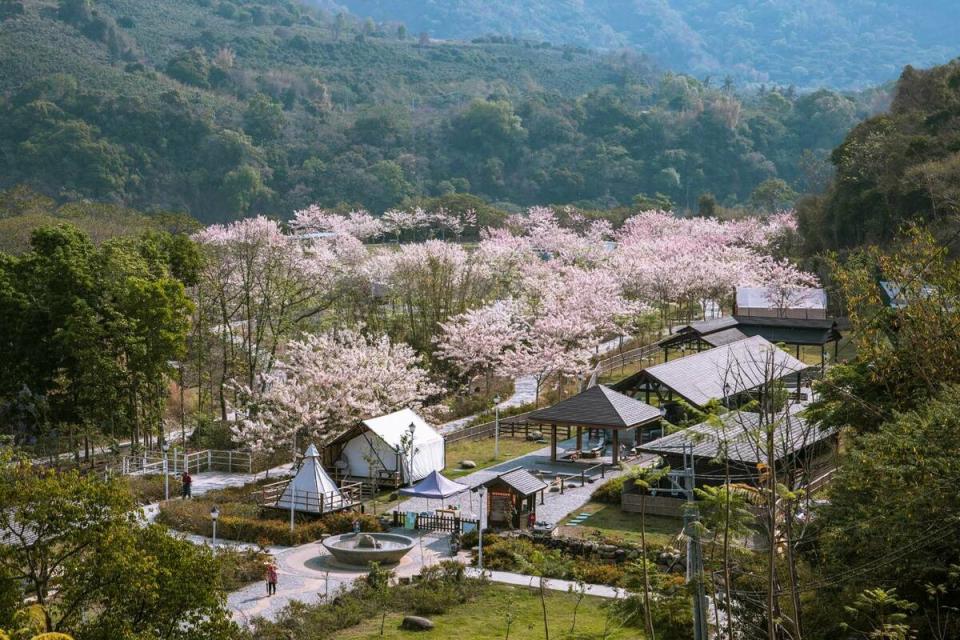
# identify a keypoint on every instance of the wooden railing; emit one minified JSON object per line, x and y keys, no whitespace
{"x":347,"y":496}
{"x":512,"y":427}
{"x":435,"y":522}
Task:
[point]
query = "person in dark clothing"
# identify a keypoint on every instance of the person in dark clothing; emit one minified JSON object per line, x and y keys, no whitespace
{"x":187,"y":481}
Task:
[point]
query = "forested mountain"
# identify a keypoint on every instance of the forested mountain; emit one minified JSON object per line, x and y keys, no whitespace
{"x":227,"y":107}
{"x":809,"y":43}
{"x":899,"y":167}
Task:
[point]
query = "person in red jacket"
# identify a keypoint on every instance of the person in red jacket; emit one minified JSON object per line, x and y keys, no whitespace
{"x":271,"y":579}
{"x":187,"y":481}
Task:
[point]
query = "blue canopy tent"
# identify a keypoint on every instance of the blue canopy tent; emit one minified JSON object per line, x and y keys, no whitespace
{"x":434,"y":487}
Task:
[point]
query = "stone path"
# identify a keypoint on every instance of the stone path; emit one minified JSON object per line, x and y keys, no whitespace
{"x":306,"y":574}
{"x":523,"y":580}
{"x":556,"y":505}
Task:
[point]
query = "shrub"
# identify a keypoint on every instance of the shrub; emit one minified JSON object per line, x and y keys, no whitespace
{"x":609,"y":492}
{"x":244,"y":522}
{"x":240,"y":567}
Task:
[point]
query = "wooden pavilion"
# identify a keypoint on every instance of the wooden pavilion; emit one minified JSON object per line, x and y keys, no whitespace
{"x":598,"y":407}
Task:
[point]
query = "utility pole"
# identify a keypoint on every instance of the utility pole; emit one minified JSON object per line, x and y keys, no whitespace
{"x":694,"y":552}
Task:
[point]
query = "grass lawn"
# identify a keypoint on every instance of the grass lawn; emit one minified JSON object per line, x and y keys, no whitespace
{"x":485,"y":618}
{"x":609,"y":522}
{"x":481,"y":452}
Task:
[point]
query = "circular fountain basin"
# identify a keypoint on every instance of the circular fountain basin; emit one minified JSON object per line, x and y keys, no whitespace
{"x":360,"y":549}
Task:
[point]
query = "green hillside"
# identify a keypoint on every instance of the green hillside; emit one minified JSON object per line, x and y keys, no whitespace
{"x":900,"y":167}
{"x":221,"y":108}
{"x":809,"y":43}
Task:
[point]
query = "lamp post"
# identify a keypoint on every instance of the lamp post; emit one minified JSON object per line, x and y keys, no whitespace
{"x":496,"y":426}
{"x":166,"y":475}
{"x":412,"y":428}
{"x":214,"y":515}
{"x":481,"y":490}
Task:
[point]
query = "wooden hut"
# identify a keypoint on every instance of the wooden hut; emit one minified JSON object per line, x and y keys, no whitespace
{"x":512,"y":499}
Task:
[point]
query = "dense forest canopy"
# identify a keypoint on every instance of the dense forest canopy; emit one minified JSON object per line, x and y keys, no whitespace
{"x":850,"y":43}
{"x":228,"y":108}
{"x":899,"y":167}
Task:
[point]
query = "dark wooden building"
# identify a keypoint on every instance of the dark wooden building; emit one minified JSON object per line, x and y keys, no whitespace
{"x":512,"y":499}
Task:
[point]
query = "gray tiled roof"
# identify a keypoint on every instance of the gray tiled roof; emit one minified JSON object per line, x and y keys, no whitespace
{"x":521,"y":481}
{"x":598,"y":406}
{"x":742,"y":436}
{"x":720,"y":338}
{"x":725,"y":371}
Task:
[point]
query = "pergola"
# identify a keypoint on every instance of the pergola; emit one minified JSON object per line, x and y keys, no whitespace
{"x":598,"y":407}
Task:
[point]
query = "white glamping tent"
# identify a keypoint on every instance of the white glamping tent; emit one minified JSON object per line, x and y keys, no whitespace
{"x":312,"y":490}
{"x":378,"y":446}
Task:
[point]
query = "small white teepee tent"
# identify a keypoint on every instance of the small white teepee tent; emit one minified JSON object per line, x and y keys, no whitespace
{"x":312,"y":490}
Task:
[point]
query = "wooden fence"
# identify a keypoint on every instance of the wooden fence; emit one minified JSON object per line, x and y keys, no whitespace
{"x":434,"y":522}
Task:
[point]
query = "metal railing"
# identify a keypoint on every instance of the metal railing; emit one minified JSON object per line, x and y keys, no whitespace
{"x":194,"y":462}
{"x":512,"y":427}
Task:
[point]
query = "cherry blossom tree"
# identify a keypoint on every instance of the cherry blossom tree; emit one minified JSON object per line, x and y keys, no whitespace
{"x":475,"y":341}
{"x":359,"y":224}
{"x":326,"y":383}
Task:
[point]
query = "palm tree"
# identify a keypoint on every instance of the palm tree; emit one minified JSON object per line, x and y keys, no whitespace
{"x":644,"y":478}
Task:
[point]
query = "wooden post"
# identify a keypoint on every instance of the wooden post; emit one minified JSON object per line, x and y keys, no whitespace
{"x":616,"y":446}
{"x":553,"y":443}
{"x":579,"y":438}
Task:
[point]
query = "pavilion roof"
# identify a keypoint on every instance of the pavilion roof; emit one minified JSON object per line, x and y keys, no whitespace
{"x":740,"y":437}
{"x":723,"y":371}
{"x":598,"y":406}
{"x":719,"y":331}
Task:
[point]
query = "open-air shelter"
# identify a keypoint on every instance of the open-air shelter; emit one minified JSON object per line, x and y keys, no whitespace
{"x":718,"y":332}
{"x":720,"y":373}
{"x":599,"y":407}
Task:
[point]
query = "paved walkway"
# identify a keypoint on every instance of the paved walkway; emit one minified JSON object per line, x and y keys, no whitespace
{"x":553,"y":584}
{"x":555,"y":506}
{"x":307,"y":574}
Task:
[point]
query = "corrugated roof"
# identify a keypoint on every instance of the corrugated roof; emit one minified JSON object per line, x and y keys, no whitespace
{"x":598,"y":406}
{"x":521,"y":481}
{"x":725,"y":371}
{"x":741,"y":438}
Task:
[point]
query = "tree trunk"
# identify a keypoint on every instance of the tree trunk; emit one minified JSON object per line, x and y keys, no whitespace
{"x":647,"y":614}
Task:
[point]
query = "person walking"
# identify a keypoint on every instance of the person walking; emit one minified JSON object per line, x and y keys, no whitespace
{"x":271,"y":579}
{"x":187,"y":482}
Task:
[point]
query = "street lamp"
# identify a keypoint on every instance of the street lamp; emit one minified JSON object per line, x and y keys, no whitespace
{"x":166,"y":475}
{"x":496,"y":426}
{"x":482,"y":490}
{"x":214,"y":516}
{"x":412,"y":428}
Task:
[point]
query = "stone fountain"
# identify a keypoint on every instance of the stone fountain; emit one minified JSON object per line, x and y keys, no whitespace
{"x":360,"y":549}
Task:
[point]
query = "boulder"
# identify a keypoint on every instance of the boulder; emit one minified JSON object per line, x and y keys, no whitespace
{"x":416,"y":623}
{"x":534,"y":435}
{"x":468,"y":464}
